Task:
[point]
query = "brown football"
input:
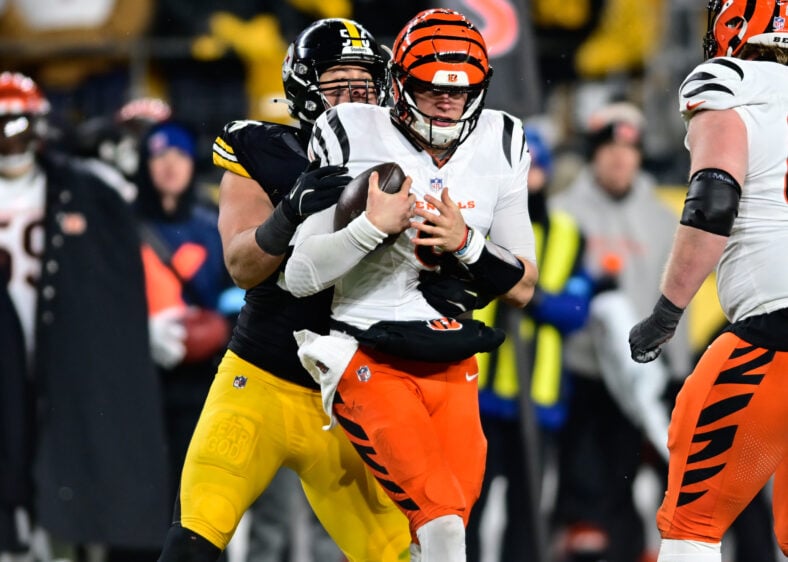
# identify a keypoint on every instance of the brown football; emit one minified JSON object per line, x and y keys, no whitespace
{"x":207,"y":333}
{"x":353,"y":200}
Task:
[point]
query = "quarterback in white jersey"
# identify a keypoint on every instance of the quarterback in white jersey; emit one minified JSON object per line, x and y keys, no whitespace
{"x":727,"y":435}
{"x":485,"y":177}
{"x":404,"y":389}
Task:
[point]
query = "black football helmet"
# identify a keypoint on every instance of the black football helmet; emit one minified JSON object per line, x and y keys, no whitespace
{"x":327,"y":43}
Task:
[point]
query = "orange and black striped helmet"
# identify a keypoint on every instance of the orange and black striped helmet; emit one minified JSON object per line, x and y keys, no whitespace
{"x":20,"y":95}
{"x":439,"y":50}
{"x":736,"y":23}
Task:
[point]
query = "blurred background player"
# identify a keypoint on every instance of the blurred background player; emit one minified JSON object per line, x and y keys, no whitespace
{"x":263,"y":411}
{"x":92,"y":429}
{"x":728,"y":428}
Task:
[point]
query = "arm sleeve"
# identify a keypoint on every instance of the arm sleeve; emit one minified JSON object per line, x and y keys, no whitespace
{"x":321,"y":257}
{"x":511,"y":226}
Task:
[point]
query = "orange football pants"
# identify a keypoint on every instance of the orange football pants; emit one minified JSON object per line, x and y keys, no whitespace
{"x":417,"y":427}
{"x":728,"y":435}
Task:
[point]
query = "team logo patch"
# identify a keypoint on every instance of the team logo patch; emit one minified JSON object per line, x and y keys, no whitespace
{"x":239,"y":381}
{"x":444,"y":324}
{"x":363,"y":373}
{"x":436,"y":184}
{"x":72,"y":223}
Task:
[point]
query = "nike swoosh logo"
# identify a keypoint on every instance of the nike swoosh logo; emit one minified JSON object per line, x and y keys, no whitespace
{"x":693,"y":106}
{"x":469,"y":378}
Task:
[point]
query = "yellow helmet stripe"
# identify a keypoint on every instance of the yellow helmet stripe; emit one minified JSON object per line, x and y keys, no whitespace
{"x":353,"y":33}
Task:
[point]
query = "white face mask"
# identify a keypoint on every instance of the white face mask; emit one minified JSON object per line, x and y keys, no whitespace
{"x":15,"y":165}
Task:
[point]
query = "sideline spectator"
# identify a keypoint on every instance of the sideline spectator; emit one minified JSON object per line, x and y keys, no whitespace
{"x":522,"y":390}
{"x":185,"y":278}
{"x":628,"y":231}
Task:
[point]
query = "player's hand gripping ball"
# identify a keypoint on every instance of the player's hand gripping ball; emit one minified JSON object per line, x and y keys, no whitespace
{"x":353,"y":200}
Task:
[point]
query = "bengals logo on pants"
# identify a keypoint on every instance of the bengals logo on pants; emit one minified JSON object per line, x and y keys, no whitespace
{"x":444,"y":324}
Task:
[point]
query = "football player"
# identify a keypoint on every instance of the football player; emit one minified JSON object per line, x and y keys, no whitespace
{"x":263,"y":411}
{"x":404,"y":386}
{"x":71,"y":271}
{"x":728,"y":430}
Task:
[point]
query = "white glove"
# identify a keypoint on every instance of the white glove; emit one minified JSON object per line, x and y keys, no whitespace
{"x":167,"y":336}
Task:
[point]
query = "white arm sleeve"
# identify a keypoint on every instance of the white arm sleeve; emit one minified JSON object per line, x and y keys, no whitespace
{"x":511,"y":226}
{"x":320,"y":258}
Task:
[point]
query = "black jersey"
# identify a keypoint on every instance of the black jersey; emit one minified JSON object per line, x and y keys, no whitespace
{"x":274,"y":155}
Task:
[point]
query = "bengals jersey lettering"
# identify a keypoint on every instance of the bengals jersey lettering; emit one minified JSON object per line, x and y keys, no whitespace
{"x":273,"y":155}
{"x":22,"y":244}
{"x":751,"y":272}
{"x":486,"y":177}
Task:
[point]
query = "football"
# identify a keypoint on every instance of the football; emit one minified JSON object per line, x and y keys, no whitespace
{"x":353,"y":200}
{"x":207,"y":333}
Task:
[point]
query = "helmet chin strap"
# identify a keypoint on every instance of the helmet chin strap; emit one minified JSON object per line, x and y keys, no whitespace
{"x":16,"y":165}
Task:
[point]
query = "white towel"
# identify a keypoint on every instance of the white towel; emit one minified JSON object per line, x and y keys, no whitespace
{"x":636,"y":387}
{"x":325,"y":358}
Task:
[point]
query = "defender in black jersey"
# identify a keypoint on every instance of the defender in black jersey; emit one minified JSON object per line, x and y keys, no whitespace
{"x":264,"y":410}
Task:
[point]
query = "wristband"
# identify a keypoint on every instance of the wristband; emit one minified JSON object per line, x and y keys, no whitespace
{"x":472,"y":247}
{"x":463,"y":247}
{"x":273,"y":236}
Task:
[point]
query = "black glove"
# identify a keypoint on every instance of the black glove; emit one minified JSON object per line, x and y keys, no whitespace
{"x":315,"y":189}
{"x":646,"y":337}
{"x":452,"y":290}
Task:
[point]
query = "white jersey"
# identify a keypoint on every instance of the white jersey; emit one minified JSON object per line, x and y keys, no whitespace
{"x":486,"y":177}
{"x":752,"y":276}
{"x":22,"y":243}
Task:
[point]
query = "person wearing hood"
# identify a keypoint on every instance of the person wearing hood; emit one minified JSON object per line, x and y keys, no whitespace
{"x":613,"y":407}
{"x":185,"y":279}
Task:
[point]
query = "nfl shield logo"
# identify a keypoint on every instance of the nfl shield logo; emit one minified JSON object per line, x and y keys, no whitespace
{"x":363,"y":373}
{"x":436,"y":184}
{"x":778,"y":23}
{"x":239,"y":381}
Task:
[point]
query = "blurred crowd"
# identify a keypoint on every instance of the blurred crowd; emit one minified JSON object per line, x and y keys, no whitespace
{"x":552,"y":60}
{"x":137,"y":91}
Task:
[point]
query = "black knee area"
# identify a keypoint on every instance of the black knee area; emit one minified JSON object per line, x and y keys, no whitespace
{"x":183,"y":545}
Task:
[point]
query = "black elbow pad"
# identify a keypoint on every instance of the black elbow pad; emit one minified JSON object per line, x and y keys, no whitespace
{"x":712,"y":201}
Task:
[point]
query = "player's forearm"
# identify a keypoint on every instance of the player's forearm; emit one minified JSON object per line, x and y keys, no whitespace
{"x":694,"y":256}
{"x":321,"y":259}
{"x":246,"y":262}
{"x":523,"y":291}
